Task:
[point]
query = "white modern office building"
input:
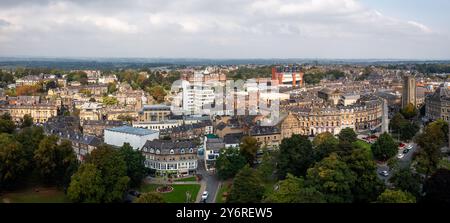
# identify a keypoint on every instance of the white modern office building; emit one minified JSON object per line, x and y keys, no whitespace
{"x":126,"y":134}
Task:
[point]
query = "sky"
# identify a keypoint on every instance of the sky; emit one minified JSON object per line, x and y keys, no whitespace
{"x":328,"y":29}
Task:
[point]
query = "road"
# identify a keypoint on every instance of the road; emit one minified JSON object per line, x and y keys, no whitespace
{"x":211,"y":180}
{"x":403,"y":162}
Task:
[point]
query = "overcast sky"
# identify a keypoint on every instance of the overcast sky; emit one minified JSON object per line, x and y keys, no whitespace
{"x":397,"y":29}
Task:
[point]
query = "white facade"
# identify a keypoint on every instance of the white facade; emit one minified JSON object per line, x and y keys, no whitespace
{"x":135,"y":136}
{"x":158,"y":125}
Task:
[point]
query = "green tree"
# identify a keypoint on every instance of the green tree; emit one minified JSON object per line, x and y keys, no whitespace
{"x":6,"y":124}
{"x":56,"y":163}
{"x":385,"y":147}
{"x":294,"y":190}
{"x":430,"y":143}
{"x":110,"y":100}
{"x":396,"y":123}
{"x":407,"y":181}
{"x":347,"y":135}
{"x":13,"y":160}
{"x":408,"y":130}
{"x":409,"y":111}
{"x":229,"y":162}
{"x":113,"y":170}
{"x":267,"y":166}
{"x":248,"y":148}
{"x":112,"y":88}
{"x":30,"y":137}
{"x":27,"y":121}
{"x":150,"y":197}
{"x":158,"y":93}
{"x":125,"y":118}
{"x":134,"y":161}
{"x":396,"y":196}
{"x":86,"y":92}
{"x":333,"y":178}
{"x":367,"y":185}
{"x":247,"y":187}
{"x":324,"y":144}
{"x":86,"y":185}
{"x":296,"y":155}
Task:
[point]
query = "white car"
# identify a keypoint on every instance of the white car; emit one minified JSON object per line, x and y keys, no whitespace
{"x":384,"y":173}
{"x":205,"y":195}
{"x":400,"y":155}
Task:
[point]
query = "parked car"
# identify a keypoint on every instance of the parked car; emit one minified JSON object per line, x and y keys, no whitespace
{"x":134,"y":193}
{"x":401,"y":155}
{"x":205,"y":195}
{"x":384,"y":173}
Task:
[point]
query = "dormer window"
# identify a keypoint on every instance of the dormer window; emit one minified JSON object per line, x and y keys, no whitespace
{"x":152,"y":150}
{"x":191,"y":150}
{"x":171,"y":151}
{"x":182,"y":151}
{"x":158,"y":151}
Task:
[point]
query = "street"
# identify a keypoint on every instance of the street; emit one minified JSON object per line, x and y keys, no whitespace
{"x":211,"y":180}
{"x":403,"y":162}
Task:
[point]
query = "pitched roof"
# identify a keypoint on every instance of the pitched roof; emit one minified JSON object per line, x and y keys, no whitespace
{"x":132,"y":130}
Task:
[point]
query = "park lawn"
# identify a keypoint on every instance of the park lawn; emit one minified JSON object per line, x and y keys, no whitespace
{"x":364,"y":145}
{"x":178,"y":195}
{"x":444,"y":164}
{"x":45,"y":195}
{"x":224,"y":187}
{"x":187,"y":179}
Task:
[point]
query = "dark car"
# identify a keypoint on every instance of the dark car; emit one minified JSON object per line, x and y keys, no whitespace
{"x":406,"y":151}
{"x":134,"y":193}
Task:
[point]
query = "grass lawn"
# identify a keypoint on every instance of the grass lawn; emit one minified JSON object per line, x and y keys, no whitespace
{"x":224,"y":187}
{"x":365,"y":145}
{"x":444,"y":163}
{"x":178,"y":195}
{"x":45,"y":195}
{"x":187,"y":179}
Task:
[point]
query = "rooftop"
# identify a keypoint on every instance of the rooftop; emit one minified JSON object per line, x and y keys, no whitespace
{"x":132,"y":130}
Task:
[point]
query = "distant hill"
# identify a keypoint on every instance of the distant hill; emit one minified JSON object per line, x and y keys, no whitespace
{"x":124,"y":63}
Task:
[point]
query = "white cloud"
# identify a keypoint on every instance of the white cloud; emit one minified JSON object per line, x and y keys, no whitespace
{"x":422,"y":27}
{"x":192,"y":27}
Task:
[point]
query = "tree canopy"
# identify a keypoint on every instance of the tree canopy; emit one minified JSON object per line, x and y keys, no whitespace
{"x":150,"y":197}
{"x":247,"y":187}
{"x":134,"y":161}
{"x":295,"y":157}
{"x":333,"y":178}
{"x":248,"y":148}
{"x":385,"y":147}
{"x":347,"y":135}
{"x":12,"y":159}
{"x":229,"y":162}
{"x":396,"y":196}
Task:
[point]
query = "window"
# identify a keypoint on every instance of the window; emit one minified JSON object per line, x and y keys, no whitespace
{"x":158,"y":151}
{"x":191,"y":150}
{"x":182,"y":151}
{"x":171,"y":151}
{"x":152,"y":150}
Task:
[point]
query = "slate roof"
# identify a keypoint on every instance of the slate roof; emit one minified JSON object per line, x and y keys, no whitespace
{"x":132,"y":130}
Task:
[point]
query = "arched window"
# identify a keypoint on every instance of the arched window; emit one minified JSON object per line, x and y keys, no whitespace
{"x":171,"y":151}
